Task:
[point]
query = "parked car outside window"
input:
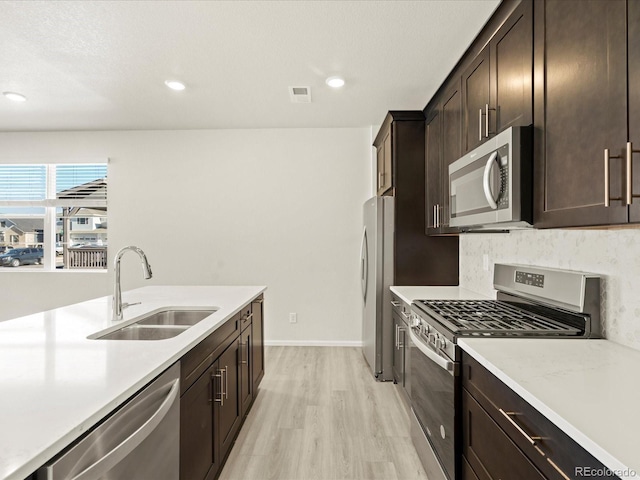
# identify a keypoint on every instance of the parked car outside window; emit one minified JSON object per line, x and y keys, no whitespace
{"x":22,"y":256}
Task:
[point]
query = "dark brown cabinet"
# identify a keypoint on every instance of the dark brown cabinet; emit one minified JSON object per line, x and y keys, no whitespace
{"x":217,"y":385}
{"x":503,"y":436}
{"x":497,"y":84}
{"x":418,"y":258}
{"x":443,"y":135}
{"x":475,"y":88}
{"x":489,"y":91}
{"x":511,"y":57}
{"x":257,"y":343}
{"x":580,"y":101}
{"x":245,"y":361}
{"x":197,"y":426}
{"x":385,"y":163}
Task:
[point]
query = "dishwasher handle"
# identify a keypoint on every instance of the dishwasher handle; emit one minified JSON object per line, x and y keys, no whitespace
{"x":114,"y":457}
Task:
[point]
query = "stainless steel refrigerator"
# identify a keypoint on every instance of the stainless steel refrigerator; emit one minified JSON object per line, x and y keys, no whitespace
{"x":377,"y":275}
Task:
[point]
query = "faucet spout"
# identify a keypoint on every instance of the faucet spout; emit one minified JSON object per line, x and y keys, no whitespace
{"x":118,"y":306}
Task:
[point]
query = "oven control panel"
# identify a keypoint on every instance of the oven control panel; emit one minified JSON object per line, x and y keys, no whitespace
{"x":533,"y":279}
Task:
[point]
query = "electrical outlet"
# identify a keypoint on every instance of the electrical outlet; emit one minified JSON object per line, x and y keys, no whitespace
{"x":485,"y":262}
{"x":293,"y":318}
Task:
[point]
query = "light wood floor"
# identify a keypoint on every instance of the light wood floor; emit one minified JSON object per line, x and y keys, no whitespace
{"x":321,"y":415}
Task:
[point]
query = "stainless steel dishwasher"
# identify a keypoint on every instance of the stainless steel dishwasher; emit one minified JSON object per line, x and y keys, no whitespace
{"x":141,"y":440}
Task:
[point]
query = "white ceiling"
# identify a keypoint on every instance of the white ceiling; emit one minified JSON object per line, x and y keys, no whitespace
{"x":100,"y":65}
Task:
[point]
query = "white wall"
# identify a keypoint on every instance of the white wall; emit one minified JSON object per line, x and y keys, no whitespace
{"x":279,"y":207}
{"x":614,"y":254}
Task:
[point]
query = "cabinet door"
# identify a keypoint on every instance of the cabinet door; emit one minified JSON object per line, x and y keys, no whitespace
{"x":580,"y":109}
{"x":229,"y":390}
{"x":380,"y":176}
{"x":197,"y":455}
{"x":433,"y":168}
{"x":451,"y":112}
{"x":246,"y":381}
{"x":257,"y":348}
{"x":490,"y":452}
{"x":385,"y":164}
{"x":512,"y":71}
{"x":633,"y":20}
{"x":475,"y":88}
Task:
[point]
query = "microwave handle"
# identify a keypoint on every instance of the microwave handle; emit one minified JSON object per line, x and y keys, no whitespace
{"x":486,"y":185}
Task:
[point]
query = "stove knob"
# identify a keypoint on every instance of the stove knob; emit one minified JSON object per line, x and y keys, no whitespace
{"x":441,"y":343}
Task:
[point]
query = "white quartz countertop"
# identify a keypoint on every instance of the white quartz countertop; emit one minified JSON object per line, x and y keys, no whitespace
{"x":589,"y":388}
{"x":410,"y":293}
{"x":55,"y":383}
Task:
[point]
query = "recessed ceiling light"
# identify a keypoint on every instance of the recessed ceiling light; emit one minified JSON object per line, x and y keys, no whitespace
{"x":16,"y":97}
{"x":175,"y":85}
{"x":335,"y":82}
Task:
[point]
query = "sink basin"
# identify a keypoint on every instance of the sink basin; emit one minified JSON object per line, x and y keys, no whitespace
{"x":175,"y":317}
{"x":158,"y":325}
{"x":139,"y":332}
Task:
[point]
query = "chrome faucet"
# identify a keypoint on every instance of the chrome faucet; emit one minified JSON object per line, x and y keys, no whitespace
{"x":118,"y":306}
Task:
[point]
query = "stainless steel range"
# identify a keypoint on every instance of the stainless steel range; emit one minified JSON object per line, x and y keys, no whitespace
{"x":531,"y":302}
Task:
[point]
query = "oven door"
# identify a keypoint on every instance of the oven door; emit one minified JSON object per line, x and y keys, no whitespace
{"x":433,"y":400}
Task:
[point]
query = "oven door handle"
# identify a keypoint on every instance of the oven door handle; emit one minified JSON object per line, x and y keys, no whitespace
{"x":431,"y":355}
{"x":486,"y":181}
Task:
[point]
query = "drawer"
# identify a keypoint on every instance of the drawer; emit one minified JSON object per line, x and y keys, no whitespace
{"x":555,"y":453}
{"x":245,"y":317}
{"x":198,"y":359}
{"x":489,"y":451}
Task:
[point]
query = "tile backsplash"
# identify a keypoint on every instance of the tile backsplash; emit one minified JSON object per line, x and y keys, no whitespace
{"x":614,"y":254}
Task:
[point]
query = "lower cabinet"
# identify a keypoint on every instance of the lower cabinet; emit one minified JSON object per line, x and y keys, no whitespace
{"x":504,"y":437}
{"x":214,"y":405}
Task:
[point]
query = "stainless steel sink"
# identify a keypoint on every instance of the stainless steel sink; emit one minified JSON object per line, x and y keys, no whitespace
{"x":143,"y":332}
{"x":176,"y":317}
{"x":158,"y":325}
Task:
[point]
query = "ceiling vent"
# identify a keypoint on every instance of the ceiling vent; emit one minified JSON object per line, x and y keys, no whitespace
{"x":300,"y":94}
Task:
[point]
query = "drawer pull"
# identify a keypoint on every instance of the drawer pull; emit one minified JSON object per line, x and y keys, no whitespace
{"x":564,"y":475}
{"x":396,"y":304}
{"x":530,"y":439}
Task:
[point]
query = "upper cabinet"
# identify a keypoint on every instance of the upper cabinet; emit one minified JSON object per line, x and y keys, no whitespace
{"x":489,"y":91}
{"x":496,"y":83}
{"x":580,"y":101}
{"x":390,"y":145}
{"x":443,"y":137}
{"x":385,"y":160}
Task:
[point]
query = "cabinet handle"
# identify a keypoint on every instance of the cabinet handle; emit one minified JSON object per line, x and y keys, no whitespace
{"x":530,"y":439}
{"x":380,"y":177}
{"x":487,"y":120}
{"x":258,"y":300}
{"x":219,"y":375}
{"x":630,"y":152}
{"x":396,"y":336}
{"x":243,"y":346}
{"x":396,"y":304}
{"x":480,"y":125}
{"x":558,"y":469}
{"x":226,"y":382}
{"x":400,"y":331}
{"x":607,"y":186}
{"x":247,"y":317}
{"x":438,"y":215}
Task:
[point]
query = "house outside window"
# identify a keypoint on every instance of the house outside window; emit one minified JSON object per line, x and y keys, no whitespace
{"x":60,"y":208}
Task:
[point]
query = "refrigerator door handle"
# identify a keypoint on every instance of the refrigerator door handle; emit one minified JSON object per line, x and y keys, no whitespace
{"x":364,"y":267}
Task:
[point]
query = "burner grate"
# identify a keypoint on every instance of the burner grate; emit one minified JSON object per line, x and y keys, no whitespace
{"x":494,"y":317}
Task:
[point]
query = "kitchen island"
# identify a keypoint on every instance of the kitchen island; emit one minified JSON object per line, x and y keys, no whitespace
{"x":56,"y":384}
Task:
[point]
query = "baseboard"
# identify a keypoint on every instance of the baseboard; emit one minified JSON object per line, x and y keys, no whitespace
{"x":313,"y":343}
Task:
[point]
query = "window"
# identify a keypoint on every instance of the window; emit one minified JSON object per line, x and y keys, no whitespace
{"x":60,"y":210}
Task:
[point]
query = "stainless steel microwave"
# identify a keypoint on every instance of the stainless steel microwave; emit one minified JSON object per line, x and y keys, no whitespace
{"x":491,"y":187}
